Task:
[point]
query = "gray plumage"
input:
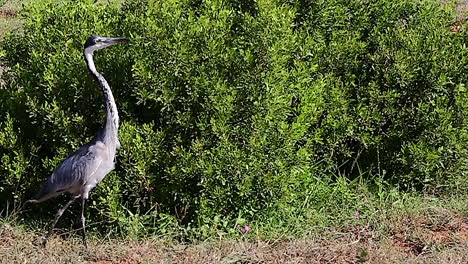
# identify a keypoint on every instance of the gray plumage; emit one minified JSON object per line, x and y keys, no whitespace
{"x":75,"y":172}
{"x":85,"y":168}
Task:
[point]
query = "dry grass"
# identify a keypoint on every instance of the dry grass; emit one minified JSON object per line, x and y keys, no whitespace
{"x":9,"y":20}
{"x":436,"y":237}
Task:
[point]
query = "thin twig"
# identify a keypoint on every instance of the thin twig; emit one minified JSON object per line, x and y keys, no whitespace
{"x":355,"y":160}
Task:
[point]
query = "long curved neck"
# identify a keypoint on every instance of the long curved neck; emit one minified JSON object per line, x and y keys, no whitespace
{"x":112,"y":116}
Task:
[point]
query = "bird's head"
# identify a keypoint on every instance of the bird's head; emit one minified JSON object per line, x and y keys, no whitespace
{"x":96,"y":42}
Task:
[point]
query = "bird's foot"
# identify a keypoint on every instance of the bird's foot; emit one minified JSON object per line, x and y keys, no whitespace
{"x":40,"y":242}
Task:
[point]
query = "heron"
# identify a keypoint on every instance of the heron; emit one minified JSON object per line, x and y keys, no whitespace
{"x":80,"y":172}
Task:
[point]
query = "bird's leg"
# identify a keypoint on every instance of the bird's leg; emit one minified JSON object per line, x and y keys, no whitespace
{"x":57,"y":217}
{"x":83,"y":222}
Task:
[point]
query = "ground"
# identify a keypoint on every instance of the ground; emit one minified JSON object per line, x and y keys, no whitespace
{"x":434,"y":236}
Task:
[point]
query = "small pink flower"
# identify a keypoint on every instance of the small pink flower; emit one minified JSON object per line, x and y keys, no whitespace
{"x":357,"y":213}
{"x":246,"y":229}
{"x":341,"y":238}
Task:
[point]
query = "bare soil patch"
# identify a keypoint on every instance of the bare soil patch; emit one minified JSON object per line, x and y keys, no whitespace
{"x":7,"y":13}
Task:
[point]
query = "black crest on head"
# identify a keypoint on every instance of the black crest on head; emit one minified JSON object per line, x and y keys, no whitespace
{"x":91,"y":41}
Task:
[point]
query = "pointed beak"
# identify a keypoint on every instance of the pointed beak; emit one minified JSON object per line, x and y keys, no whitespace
{"x":112,"y":41}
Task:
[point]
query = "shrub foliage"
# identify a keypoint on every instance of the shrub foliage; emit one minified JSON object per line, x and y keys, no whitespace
{"x":235,"y":108}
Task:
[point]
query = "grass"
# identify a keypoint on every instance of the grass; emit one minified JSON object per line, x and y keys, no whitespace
{"x":9,"y":20}
{"x":424,"y":230}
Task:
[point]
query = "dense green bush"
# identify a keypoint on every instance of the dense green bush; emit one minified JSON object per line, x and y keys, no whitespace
{"x":238,"y":109}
